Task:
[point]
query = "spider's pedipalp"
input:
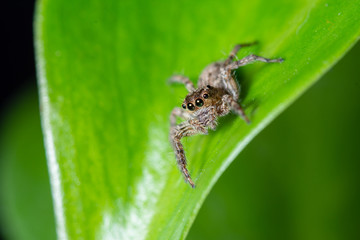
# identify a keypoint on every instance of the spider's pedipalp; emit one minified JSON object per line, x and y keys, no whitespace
{"x":178,"y":112}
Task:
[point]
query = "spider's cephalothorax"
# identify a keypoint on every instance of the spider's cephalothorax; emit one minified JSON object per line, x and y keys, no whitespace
{"x":216,"y":95}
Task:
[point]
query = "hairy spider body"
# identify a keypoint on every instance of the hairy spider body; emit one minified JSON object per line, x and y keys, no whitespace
{"x":217,"y":94}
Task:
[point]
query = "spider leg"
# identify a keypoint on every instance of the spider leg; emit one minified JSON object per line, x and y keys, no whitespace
{"x":184,"y":129}
{"x":249,"y":59}
{"x":236,"y":50}
{"x":228,"y":80}
{"x":234,"y":106}
{"x":178,"y":112}
{"x":229,"y":83}
{"x":184,"y":80}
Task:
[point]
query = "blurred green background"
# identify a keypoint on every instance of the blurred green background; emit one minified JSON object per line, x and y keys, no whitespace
{"x":298,"y":179}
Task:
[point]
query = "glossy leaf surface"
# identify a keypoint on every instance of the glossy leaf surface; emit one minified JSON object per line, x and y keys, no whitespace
{"x":102,"y":70}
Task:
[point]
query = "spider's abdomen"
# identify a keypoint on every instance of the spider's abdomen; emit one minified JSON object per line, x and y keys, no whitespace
{"x":217,"y":76}
{"x":211,"y":76}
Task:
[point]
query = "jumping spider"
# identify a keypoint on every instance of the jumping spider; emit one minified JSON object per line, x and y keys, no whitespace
{"x":216,"y":95}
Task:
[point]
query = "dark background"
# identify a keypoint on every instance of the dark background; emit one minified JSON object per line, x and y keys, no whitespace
{"x":18,"y":64}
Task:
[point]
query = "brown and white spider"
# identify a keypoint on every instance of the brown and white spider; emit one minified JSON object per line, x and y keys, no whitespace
{"x":216,"y":95}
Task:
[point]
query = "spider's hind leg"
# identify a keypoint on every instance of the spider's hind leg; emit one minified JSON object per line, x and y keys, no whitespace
{"x":250,"y":59}
{"x":236,"y":50}
{"x":228,"y":79}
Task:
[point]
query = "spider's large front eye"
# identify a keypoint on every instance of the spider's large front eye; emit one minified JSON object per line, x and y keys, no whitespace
{"x":199,"y":102}
{"x":191,"y":106}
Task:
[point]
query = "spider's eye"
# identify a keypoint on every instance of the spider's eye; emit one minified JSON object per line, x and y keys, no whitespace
{"x":208,"y":86}
{"x":199,"y":102}
{"x":183,"y":106}
{"x":191,"y":106}
{"x":205,"y":95}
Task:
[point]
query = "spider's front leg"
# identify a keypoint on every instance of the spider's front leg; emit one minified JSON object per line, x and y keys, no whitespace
{"x":184,"y":80}
{"x":185,"y":129}
{"x":234,"y":106}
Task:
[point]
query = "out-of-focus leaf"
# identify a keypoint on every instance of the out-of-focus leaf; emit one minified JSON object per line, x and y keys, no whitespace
{"x":102,"y":70}
{"x":26,"y":210}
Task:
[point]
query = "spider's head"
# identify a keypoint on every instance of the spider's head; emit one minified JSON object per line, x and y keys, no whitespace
{"x":200,"y":98}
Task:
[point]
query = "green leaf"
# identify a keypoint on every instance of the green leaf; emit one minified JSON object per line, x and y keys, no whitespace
{"x":25,"y":198}
{"x":102,"y":69}
{"x":299,"y":178}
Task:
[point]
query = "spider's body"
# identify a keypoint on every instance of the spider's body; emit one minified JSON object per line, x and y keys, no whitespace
{"x":216,"y":95}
